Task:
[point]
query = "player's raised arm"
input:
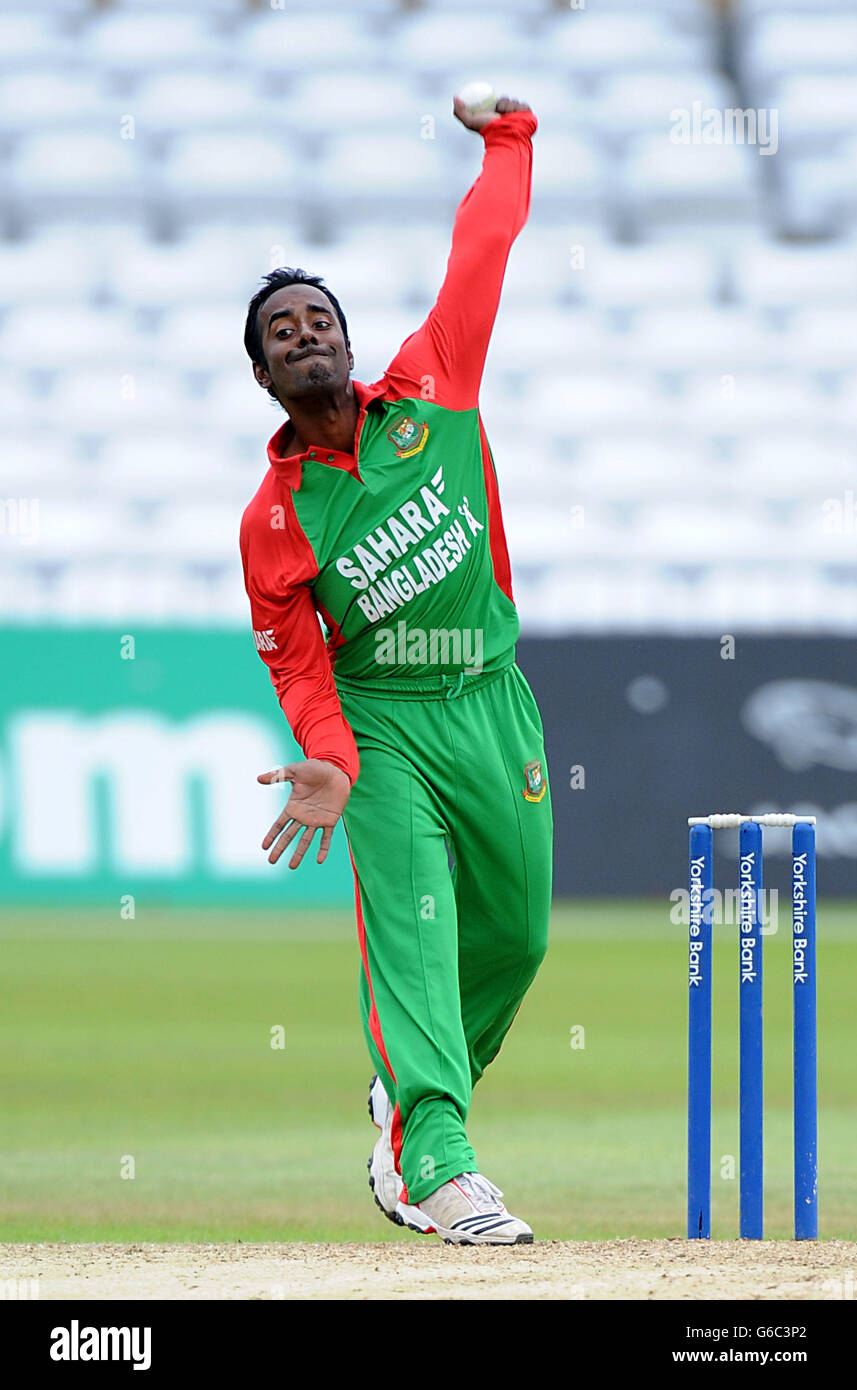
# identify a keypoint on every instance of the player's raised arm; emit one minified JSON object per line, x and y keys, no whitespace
{"x":450,"y":346}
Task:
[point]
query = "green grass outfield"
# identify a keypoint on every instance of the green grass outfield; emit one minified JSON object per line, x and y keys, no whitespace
{"x":151,"y":1039}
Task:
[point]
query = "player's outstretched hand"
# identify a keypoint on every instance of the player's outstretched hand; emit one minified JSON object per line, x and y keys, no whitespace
{"x":475,"y":120}
{"x":318,"y":796}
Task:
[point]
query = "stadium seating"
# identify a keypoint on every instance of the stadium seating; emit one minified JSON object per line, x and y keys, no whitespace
{"x":671,"y":386}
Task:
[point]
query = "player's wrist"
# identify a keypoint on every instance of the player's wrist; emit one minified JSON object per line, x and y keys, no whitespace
{"x":340,"y":772}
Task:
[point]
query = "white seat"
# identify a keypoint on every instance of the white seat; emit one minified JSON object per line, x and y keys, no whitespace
{"x":777,"y":275}
{"x":841,"y":409}
{"x":683,"y":339}
{"x":536,"y":8}
{"x":528,"y":338}
{"x":748,"y":11}
{"x":757,"y":596}
{"x":66,"y":9}
{"x":822,"y":339}
{"x":236,"y":405}
{"x":229,"y":8}
{"x":201,"y":530}
{"x":76,"y":169}
{"x":792,"y":465}
{"x":568,"y":169}
{"x":22,"y":406}
{"x":688,"y":533}
{"x":229,"y":167}
{"x":97,"y":401}
{"x":818,"y":197}
{"x":659,"y":274}
{"x":539,"y":265}
{"x":355,"y":101}
{"x":80,"y":527}
{"x":815,"y":110}
{"x":26,"y":593}
{"x":549,"y":264}
{"x":42,"y":98}
{"x":777,"y":45}
{"x":527,"y":465}
{"x":28,"y":38}
{"x":22,"y":265}
{"x":209,"y":262}
{"x":685,"y":13}
{"x":662,"y":183}
{"x":629,"y":103}
{"x":132,"y":589}
{"x":203,"y":336}
{"x":152,"y":466}
{"x":579,"y":404}
{"x":335,"y":9}
{"x":639,"y":597}
{"x":194,"y":100}
{"x":539,"y":534}
{"x":630,"y":469}
{"x":268,"y":246}
{"x":477,"y":44}
{"x":289,"y":43}
{"x":398,"y":167}
{"x":80,"y":335}
{"x":593,"y":42}
{"x":591,"y":597}
{"x":139,"y":42}
{"x":34,"y":459}
{"x":228,"y":597}
{"x":556,"y":600}
{"x":376,"y":338}
{"x":371,"y":268}
{"x":715,"y":407}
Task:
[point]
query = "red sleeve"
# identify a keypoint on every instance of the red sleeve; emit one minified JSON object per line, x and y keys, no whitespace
{"x":278,"y":562}
{"x":444,"y":359}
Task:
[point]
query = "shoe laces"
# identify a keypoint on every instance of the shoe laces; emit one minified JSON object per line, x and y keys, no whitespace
{"x":478,"y":1186}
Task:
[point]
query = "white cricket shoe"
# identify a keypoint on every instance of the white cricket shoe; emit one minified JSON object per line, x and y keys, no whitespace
{"x":466,"y":1211}
{"x":385,"y":1182}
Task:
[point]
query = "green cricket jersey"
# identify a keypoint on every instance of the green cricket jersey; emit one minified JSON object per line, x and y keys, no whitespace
{"x":398,"y":548}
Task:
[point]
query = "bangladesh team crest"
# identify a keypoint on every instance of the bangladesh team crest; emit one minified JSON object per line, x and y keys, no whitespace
{"x":408,"y":436}
{"x":536,"y":784}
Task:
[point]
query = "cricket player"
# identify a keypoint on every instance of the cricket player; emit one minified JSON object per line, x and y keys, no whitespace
{"x":379,"y":519}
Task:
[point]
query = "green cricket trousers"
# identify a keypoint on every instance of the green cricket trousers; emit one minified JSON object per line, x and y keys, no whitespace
{"x":449,"y":827}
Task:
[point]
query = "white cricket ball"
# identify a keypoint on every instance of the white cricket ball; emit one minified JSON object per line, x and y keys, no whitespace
{"x":478,"y":96}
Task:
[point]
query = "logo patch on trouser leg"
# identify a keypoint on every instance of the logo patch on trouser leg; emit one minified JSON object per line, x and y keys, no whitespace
{"x":536,"y":784}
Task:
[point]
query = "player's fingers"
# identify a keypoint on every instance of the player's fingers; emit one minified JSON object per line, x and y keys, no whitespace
{"x":472,"y":120}
{"x":302,"y":846}
{"x":326,"y":837}
{"x":279,"y":774}
{"x":282,"y":819}
{"x":284,"y":841}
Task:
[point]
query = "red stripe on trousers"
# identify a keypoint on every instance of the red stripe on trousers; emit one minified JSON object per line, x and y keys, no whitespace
{"x":374,"y":1021}
{"x":375,"y":1026}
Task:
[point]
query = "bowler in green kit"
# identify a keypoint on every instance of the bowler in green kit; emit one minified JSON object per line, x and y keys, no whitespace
{"x":379,"y":518}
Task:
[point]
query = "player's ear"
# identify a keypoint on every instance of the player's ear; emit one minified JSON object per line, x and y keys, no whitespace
{"x":262,"y":376}
{"x":350,"y":359}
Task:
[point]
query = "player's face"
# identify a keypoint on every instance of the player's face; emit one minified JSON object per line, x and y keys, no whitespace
{"x":304,"y":345}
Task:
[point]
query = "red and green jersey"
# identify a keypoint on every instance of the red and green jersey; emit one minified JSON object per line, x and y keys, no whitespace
{"x":399,"y":547}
